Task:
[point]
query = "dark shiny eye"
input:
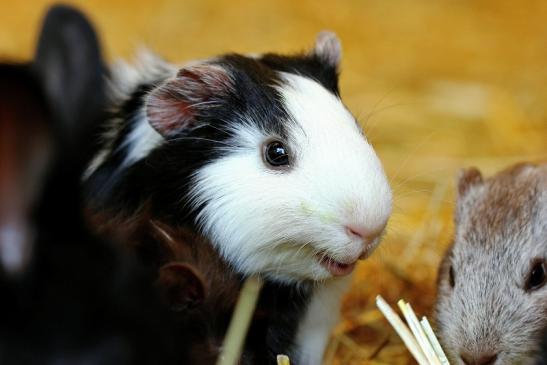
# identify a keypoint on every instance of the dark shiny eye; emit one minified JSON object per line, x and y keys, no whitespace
{"x":276,"y":154}
{"x":451,"y":277}
{"x":536,"y":277}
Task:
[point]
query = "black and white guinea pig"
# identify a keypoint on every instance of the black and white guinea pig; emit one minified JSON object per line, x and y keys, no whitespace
{"x":260,"y":154}
{"x":492,"y":297}
{"x":259,"y":151}
{"x":68,"y":297}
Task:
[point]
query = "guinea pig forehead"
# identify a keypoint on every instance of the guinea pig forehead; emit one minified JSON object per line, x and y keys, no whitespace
{"x":494,"y":213}
{"x":472,"y":250}
{"x":257,"y":102}
{"x":317,"y":111}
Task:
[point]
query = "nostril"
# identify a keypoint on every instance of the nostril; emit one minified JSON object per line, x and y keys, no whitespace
{"x":363,"y":233}
{"x":482,"y":359}
{"x":488,"y":359}
{"x":363,"y":236}
{"x":355,"y":232}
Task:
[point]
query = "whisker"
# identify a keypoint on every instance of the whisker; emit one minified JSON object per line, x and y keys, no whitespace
{"x":184,"y":138}
{"x":411,"y":155}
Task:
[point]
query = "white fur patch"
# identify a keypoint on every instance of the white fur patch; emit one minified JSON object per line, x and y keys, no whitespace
{"x":125,"y":78}
{"x":147,"y":67}
{"x":276,"y":223}
{"x":320,"y":318}
{"x":140,"y":141}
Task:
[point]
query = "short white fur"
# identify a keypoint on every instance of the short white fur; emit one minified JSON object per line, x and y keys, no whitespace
{"x":321,"y":316}
{"x":274,"y":222}
{"x":125,"y":78}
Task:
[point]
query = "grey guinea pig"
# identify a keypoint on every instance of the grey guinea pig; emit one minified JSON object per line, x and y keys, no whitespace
{"x":492,"y":299}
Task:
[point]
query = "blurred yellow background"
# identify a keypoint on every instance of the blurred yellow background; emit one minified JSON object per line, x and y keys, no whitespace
{"x":438,"y":85}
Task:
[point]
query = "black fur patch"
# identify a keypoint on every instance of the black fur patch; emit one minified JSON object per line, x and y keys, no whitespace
{"x":287,"y":305}
{"x":163,"y":175}
{"x":309,"y":66}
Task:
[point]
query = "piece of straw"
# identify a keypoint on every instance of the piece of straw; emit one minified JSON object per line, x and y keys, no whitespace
{"x":418,"y":332}
{"x":434,"y":342}
{"x":239,"y":324}
{"x":283,"y":360}
{"x":425,"y":341}
{"x":402,"y":330}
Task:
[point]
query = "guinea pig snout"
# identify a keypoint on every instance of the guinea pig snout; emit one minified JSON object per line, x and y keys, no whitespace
{"x":366,"y":236}
{"x":478,"y":359}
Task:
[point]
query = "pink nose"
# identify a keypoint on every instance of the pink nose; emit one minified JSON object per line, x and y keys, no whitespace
{"x":356,"y":232}
{"x":482,"y":359}
{"x":365,"y":234}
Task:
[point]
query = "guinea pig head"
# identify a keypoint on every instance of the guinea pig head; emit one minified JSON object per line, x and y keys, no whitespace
{"x":290,"y":186}
{"x":492,"y":298}
{"x":200,"y":290}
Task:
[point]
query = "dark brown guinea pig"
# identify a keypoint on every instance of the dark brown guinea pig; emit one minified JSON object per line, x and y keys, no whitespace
{"x":201,"y":290}
{"x":196,"y":284}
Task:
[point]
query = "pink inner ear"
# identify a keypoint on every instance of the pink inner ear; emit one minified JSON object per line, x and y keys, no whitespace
{"x":328,"y":48}
{"x":175,"y":105}
{"x":468,"y":178}
{"x":168,"y":112}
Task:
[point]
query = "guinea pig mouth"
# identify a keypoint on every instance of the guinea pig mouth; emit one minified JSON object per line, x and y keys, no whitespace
{"x":336,"y":268}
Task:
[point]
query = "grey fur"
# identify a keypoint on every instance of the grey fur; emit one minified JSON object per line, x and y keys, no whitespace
{"x":501,"y":227}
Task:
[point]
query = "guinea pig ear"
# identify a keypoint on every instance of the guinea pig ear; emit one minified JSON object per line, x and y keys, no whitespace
{"x":181,"y":286}
{"x":177,"y":104}
{"x":328,"y":48}
{"x":468,"y":178}
{"x":68,"y":61}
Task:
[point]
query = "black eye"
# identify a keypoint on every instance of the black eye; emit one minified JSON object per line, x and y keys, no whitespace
{"x":451,"y":277}
{"x":536,"y":277}
{"x":276,"y":154}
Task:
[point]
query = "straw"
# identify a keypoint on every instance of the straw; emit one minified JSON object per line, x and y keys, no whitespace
{"x":434,"y":342}
{"x":421,"y":342}
{"x":418,"y":332}
{"x":235,"y":336}
{"x":283,"y":360}
{"x":402,"y":330}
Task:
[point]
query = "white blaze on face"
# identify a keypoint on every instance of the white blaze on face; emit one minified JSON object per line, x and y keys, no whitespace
{"x":278,"y":222}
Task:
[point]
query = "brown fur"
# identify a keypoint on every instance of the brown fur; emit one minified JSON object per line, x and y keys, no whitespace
{"x":198,"y":286}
